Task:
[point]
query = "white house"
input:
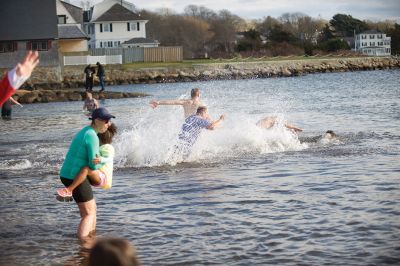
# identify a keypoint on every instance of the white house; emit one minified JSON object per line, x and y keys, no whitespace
{"x":373,"y":43}
{"x":111,"y":23}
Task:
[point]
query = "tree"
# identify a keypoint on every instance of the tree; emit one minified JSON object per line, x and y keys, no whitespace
{"x":394,"y":33}
{"x":345,"y":25}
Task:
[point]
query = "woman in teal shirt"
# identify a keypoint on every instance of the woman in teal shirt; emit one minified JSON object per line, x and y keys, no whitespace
{"x":84,"y":148}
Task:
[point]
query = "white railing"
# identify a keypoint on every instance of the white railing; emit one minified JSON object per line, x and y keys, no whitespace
{"x":88,"y":59}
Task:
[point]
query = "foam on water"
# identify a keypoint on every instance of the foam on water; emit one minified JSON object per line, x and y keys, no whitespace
{"x":150,"y":140}
{"x":15,"y":164}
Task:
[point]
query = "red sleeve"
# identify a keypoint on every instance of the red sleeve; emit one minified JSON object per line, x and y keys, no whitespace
{"x":6,"y":91}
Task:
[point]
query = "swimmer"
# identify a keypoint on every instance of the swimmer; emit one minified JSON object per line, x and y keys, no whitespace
{"x":189,"y":105}
{"x":270,"y":121}
{"x":326,"y":137}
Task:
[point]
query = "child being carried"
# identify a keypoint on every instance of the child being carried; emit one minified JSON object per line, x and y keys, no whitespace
{"x":98,"y":178}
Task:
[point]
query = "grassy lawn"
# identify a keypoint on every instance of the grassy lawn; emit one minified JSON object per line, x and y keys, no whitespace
{"x":191,"y":63}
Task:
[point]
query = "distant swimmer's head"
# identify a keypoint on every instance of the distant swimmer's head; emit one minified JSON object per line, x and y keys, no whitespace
{"x":195,"y":93}
{"x":202,"y":111}
{"x":330,"y":134}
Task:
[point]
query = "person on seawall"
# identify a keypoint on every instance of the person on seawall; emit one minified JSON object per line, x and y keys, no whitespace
{"x":101,"y":74}
{"x":14,"y":78}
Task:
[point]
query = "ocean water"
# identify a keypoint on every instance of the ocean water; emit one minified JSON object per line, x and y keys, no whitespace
{"x":245,"y":195}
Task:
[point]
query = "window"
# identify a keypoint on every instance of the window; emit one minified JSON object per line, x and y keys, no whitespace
{"x":106,"y":27}
{"x":133,"y":26}
{"x":8,"y":47}
{"x":62,"y":19}
{"x":372,"y":36}
{"x":39,"y":45}
{"x":110,"y":44}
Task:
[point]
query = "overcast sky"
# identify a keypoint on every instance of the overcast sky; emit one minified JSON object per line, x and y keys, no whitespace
{"x":256,"y":9}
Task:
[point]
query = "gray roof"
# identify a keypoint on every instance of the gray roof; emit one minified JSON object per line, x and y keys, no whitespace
{"x":28,"y":20}
{"x":70,"y":32}
{"x":140,"y":40}
{"x":371,"y":32}
{"x":76,"y":12}
{"x":118,"y":13}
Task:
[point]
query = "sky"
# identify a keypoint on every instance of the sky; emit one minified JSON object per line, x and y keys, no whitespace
{"x":375,"y":10}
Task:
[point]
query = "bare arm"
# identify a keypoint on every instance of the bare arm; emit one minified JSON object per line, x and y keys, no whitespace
{"x":154,"y":104}
{"x":15,"y":101}
{"x":212,"y":125}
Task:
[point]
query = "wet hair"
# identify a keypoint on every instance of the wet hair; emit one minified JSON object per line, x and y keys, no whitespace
{"x":113,"y":252}
{"x":333,"y":134}
{"x":201,"y":110}
{"x":106,"y":137}
{"x":195,"y":92}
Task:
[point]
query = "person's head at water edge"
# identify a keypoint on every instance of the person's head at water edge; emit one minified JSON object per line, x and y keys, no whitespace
{"x":113,"y":252}
{"x":101,"y":119}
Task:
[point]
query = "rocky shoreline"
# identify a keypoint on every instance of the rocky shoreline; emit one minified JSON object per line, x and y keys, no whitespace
{"x":64,"y":95}
{"x":54,"y":84}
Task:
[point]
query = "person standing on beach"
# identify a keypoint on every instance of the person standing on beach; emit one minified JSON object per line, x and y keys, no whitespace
{"x":82,"y":152}
{"x":101,"y":74}
{"x":189,"y":105}
{"x":89,"y":77}
{"x":17,"y":76}
{"x":6,"y":109}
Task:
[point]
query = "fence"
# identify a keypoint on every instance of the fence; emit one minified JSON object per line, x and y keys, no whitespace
{"x":88,"y":59}
{"x":143,"y":54}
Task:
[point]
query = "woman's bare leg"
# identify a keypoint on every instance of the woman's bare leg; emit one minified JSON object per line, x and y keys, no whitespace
{"x":87,"y":211}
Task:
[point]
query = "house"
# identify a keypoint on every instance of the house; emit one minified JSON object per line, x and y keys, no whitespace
{"x":113,"y":23}
{"x":28,"y":25}
{"x":70,"y":34}
{"x":374,"y":43}
{"x":48,"y":26}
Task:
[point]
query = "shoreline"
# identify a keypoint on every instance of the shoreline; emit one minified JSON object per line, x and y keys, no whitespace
{"x":54,"y":85}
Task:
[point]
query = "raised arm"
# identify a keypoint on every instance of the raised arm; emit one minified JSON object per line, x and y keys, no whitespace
{"x":154,"y":103}
{"x":212,"y":125}
{"x":17,"y":76}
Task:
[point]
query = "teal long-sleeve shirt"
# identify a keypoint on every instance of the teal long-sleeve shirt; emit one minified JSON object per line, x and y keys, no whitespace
{"x":84,"y":148}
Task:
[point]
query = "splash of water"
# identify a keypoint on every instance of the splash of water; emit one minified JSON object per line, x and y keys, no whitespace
{"x":150,"y":139}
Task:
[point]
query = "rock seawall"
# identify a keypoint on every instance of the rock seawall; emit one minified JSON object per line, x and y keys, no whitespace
{"x":116,"y":75}
{"x":49,"y":84}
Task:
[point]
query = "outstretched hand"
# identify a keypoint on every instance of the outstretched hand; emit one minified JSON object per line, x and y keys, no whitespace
{"x":25,"y":68}
{"x":153,"y":104}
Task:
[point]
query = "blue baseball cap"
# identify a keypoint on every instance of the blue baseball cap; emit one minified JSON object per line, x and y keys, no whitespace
{"x":101,"y":113}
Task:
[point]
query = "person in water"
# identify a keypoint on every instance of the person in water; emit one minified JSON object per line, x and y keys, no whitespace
{"x":270,"y":121}
{"x":82,"y":152}
{"x":189,"y":105}
{"x":99,"y":178}
{"x":17,"y":76}
{"x":6,"y":109}
{"x":90,"y":103}
{"x":192,"y":128}
{"x":328,"y":136}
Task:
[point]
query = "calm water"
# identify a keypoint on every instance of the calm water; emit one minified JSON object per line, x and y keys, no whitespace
{"x":245,"y":196}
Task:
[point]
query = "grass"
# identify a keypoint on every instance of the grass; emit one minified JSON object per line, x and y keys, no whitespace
{"x":194,"y":62}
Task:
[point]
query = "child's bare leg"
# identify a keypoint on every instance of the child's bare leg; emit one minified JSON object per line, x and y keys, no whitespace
{"x":94,"y":177}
